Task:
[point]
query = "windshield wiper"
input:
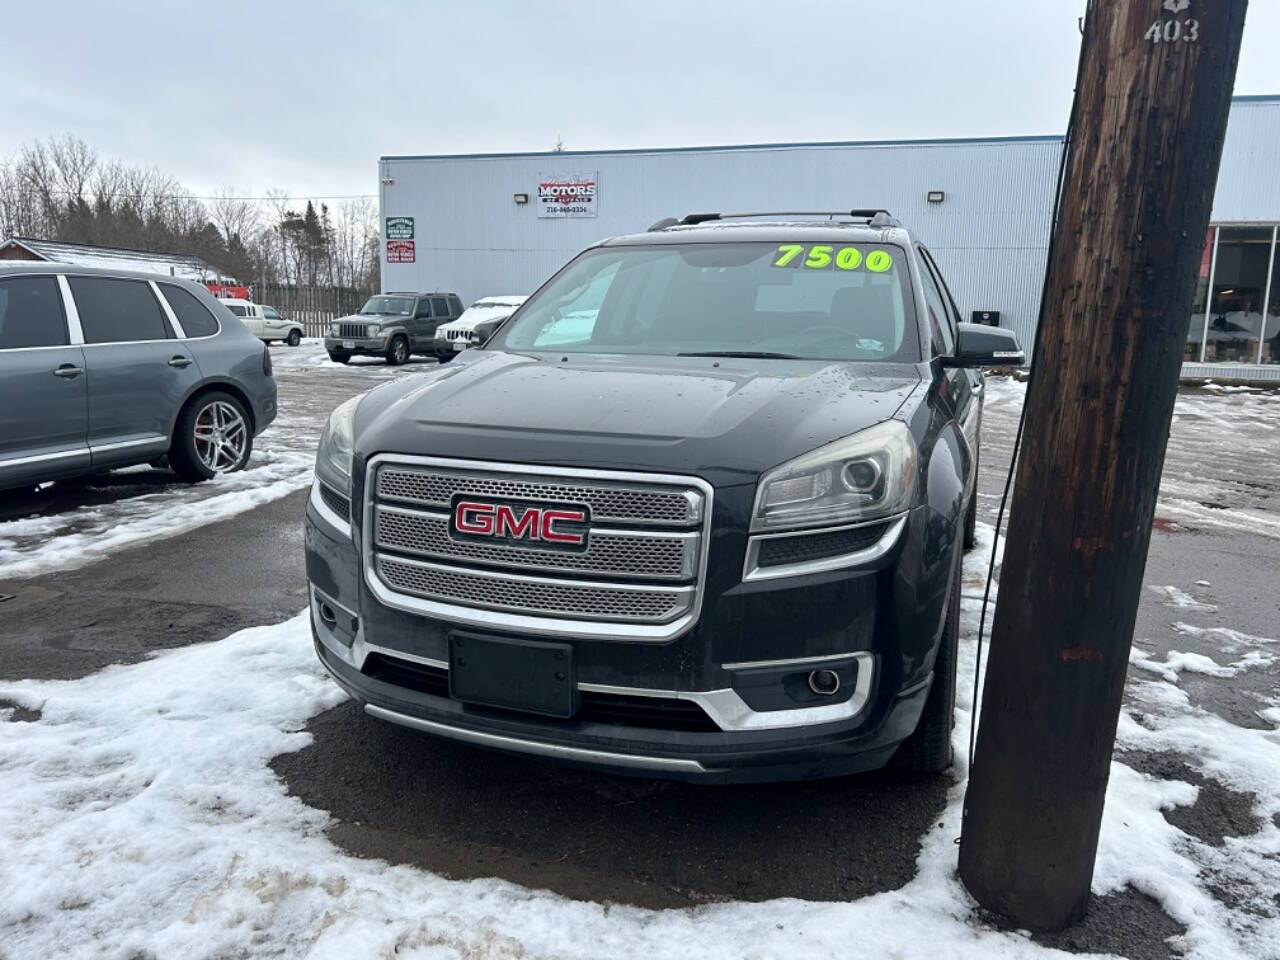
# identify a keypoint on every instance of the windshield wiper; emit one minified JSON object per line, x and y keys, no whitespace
{"x":744,"y":354}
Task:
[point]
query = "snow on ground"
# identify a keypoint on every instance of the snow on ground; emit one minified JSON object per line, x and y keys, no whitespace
{"x":140,"y":818}
{"x":1175,"y":597}
{"x":282,"y":462}
{"x":1220,"y":466}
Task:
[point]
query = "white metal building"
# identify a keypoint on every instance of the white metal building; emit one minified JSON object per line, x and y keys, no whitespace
{"x":479,"y":224}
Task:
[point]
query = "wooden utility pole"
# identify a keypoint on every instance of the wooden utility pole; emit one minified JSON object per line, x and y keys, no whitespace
{"x":1146,"y":136}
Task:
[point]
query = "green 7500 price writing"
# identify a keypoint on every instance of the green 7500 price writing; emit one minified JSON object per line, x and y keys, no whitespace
{"x":821,"y":256}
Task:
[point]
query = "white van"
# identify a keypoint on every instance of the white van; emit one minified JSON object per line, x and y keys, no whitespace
{"x":265,"y":322}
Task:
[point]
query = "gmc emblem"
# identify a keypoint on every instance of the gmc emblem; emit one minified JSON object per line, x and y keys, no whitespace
{"x":552,"y":526}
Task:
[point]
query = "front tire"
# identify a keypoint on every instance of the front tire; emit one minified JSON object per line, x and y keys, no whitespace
{"x":340,"y":357}
{"x":294,"y":338}
{"x":213,"y":436}
{"x":398,"y":351}
{"x":928,"y":749}
{"x":444,"y":357}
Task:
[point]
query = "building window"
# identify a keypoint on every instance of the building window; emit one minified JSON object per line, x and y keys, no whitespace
{"x":1271,"y":321}
{"x":1235,"y":316}
{"x":1195,"y":328}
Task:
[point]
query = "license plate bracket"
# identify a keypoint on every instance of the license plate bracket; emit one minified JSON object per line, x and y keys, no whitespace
{"x":533,"y":676}
{"x":348,"y":344}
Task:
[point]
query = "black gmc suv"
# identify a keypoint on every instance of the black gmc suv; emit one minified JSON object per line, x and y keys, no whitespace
{"x":696,"y":510}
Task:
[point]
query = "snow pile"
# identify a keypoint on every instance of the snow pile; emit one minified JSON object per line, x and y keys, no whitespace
{"x":1177,"y":661}
{"x":83,"y":535}
{"x":1179,"y":598}
{"x":140,"y":817}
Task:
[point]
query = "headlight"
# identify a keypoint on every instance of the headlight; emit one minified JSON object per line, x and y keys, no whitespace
{"x":336,"y":329}
{"x":333,"y":459}
{"x":868,"y":475}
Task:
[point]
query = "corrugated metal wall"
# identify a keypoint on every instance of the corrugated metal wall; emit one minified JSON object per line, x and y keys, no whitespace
{"x":1248,"y":189}
{"x":989,"y":235}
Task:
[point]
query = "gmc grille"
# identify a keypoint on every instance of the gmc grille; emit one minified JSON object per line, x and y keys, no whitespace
{"x":642,"y":562}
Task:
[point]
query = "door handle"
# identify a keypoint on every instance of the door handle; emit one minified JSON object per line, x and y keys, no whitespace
{"x":180,"y":362}
{"x":68,"y":370}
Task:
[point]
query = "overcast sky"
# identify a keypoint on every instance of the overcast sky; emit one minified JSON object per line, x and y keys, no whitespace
{"x":307,"y":95}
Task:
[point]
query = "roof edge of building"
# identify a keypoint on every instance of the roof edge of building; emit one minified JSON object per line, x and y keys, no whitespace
{"x":726,"y":148}
{"x":788,"y":145}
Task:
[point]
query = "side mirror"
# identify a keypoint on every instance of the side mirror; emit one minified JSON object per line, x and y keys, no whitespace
{"x":484,"y":332}
{"x":982,"y":346}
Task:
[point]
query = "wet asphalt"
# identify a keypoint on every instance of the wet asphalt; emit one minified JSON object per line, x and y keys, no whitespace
{"x":464,"y":812}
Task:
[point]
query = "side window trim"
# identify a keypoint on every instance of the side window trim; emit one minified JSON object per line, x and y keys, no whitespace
{"x":67,"y":312}
{"x":931,"y":277}
{"x":164,"y":299}
{"x":159,"y":301}
{"x":174,"y":325}
{"x":74,"y":330}
{"x":947,"y":298}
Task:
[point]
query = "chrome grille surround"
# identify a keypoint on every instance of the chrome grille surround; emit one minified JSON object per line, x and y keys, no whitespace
{"x":641,"y":584}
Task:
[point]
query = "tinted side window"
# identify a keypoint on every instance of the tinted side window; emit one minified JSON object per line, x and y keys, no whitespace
{"x":238,"y":310}
{"x":455,"y":306}
{"x":31,"y":313}
{"x":270,"y":313}
{"x":193,"y":317}
{"x":939,"y":322}
{"x":424,"y":308}
{"x":117,"y":311}
{"x":439,"y":307}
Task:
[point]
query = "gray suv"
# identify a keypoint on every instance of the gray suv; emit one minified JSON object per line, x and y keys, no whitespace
{"x":102,"y":369}
{"x":394,"y":325}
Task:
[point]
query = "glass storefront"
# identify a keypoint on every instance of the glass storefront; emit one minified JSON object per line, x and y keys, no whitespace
{"x":1235,"y":316}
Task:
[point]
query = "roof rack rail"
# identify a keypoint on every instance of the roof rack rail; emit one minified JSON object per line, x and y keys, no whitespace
{"x":875,"y":216}
{"x":663,"y":224}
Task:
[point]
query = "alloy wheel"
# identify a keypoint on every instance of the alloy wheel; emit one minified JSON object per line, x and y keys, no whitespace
{"x":221,"y":435}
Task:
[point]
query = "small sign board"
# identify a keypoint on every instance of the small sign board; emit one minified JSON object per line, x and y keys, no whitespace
{"x":568,"y":194}
{"x":400,"y":251}
{"x":399,"y":228}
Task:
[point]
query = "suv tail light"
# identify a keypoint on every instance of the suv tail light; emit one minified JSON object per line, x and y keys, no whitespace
{"x":266,"y":360}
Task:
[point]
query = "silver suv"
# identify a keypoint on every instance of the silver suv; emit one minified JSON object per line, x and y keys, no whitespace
{"x":102,"y":369}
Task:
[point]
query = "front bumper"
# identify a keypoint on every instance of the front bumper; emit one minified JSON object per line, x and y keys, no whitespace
{"x":443,"y":347}
{"x":724,"y":694}
{"x":367,"y":346}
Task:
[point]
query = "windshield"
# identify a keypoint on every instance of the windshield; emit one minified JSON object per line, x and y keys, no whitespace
{"x":790,"y":300}
{"x":387,"y":307}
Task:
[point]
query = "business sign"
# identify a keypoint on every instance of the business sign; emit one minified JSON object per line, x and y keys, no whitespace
{"x":567,"y":195}
{"x":399,"y":228}
{"x":225,"y":290}
{"x":400,"y":251}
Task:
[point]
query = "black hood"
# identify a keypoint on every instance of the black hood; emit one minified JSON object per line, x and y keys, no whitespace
{"x":690,"y":415}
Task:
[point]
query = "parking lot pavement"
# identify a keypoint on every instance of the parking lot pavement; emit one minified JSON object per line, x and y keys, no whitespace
{"x":1203,"y":699}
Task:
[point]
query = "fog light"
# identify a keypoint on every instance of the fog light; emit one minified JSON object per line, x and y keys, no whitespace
{"x":824,"y":682}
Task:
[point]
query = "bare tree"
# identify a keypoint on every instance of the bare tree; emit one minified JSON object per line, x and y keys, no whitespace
{"x":233,"y":215}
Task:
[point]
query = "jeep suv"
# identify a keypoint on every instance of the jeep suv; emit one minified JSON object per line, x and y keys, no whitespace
{"x":394,"y":326}
{"x":695,"y":510}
